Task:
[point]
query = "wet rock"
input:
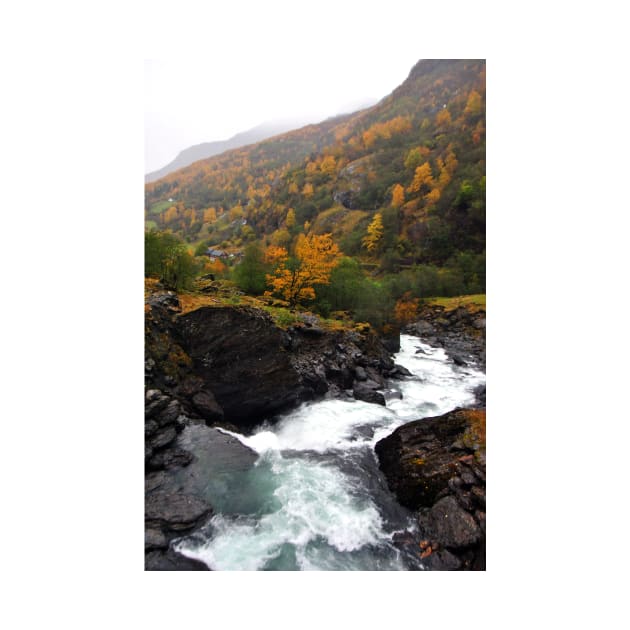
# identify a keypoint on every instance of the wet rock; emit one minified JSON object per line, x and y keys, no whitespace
{"x":155,"y":401}
{"x":445,"y":484}
{"x":441,"y":560}
{"x":162,"y":438}
{"x":360,"y":373}
{"x":176,"y":512}
{"x":154,"y":539}
{"x":171,"y":561}
{"x":207,"y":406}
{"x":452,"y":526}
{"x":367,"y":392}
{"x":169,"y":458}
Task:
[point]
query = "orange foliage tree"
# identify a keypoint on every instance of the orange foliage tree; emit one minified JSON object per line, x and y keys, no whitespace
{"x":398,"y":196}
{"x":406,"y":309}
{"x":423,"y":178}
{"x":294,"y":276}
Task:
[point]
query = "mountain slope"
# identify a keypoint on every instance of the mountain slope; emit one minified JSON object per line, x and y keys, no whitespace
{"x":416,"y":159}
{"x":208,"y":149}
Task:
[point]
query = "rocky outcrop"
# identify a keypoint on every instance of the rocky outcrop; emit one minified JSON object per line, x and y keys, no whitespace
{"x":437,"y":467}
{"x":230,"y":365}
{"x":461,"y":332}
{"x":177,"y":499}
{"x":255,"y":369}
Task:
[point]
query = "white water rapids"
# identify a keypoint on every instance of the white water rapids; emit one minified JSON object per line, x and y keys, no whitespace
{"x":315,"y":498}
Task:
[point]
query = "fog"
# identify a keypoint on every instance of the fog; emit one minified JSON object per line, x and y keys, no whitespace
{"x":190,"y":102}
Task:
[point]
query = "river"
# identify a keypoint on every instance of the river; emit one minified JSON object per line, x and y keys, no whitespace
{"x":315,"y":498}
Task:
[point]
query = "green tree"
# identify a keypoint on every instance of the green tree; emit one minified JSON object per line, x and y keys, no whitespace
{"x":167,"y":258}
{"x":250,"y":274}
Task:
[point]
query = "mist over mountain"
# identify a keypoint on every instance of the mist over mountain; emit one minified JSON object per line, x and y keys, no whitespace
{"x":208,"y":149}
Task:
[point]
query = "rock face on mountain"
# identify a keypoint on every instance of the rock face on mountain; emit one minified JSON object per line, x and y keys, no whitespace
{"x":437,"y":467}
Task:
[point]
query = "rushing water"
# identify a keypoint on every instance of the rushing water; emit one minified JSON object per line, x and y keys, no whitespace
{"x":315,"y":498}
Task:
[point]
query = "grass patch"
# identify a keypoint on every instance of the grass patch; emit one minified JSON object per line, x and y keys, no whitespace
{"x":150,"y":225}
{"x":160,"y":206}
{"x":282,"y":317}
{"x":451,"y":303}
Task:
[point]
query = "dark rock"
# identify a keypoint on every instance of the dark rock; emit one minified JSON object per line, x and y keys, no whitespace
{"x":170,"y":414}
{"x":169,"y":458}
{"x":154,"y":539}
{"x":190,"y":386}
{"x":480,"y":323}
{"x":256,"y":370}
{"x":240,"y":354}
{"x":480,"y":395}
{"x":363,"y":391}
{"x":450,"y":525}
{"x":391,"y":341}
{"x":458,"y":359}
{"x":360,"y":373}
{"x":479,"y":496}
{"x":167,"y":300}
{"x":171,"y":561}
{"x":155,"y":480}
{"x":399,"y":371}
{"x":347,"y":378}
{"x":421,"y":329}
{"x":311,"y":331}
{"x":442,"y":560}
{"x":172,"y":511}
{"x":162,"y":438}
{"x":206,"y":404}
{"x":154,"y":402}
{"x":416,"y":458}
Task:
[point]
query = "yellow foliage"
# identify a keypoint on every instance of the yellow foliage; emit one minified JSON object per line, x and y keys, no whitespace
{"x":294,"y":279}
{"x":374,"y":233}
{"x":473,"y":105}
{"x":406,"y":309}
{"x":290,"y":220}
{"x":443,"y":118}
{"x":422,"y":177}
{"x":398,"y":196}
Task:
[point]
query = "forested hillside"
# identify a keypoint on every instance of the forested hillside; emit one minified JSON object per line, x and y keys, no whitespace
{"x":392,"y":196}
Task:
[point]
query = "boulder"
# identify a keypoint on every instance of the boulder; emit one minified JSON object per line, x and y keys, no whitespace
{"x":175,"y":512}
{"x":171,"y":561}
{"x":241,"y":356}
{"x":437,"y":467}
{"x":207,"y":406}
{"x":367,"y":392}
{"x":449,"y":524}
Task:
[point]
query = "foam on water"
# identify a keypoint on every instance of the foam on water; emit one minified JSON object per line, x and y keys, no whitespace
{"x":314,"y":516}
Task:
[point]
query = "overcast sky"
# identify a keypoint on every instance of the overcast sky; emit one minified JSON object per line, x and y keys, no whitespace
{"x":189,"y":102}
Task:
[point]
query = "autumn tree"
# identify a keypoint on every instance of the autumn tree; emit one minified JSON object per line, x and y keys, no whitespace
{"x":328,"y":165}
{"x":473,"y":105}
{"x":423,"y":179}
{"x":374,"y":233}
{"x":308,"y":191}
{"x":290,"y":220}
{"x":209,"y":215}
{"x":294,"y":277}
{"x":406,"y":309}
{"x":398,"y":196}
{"x":443,"y":118}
